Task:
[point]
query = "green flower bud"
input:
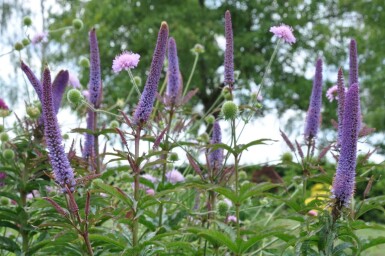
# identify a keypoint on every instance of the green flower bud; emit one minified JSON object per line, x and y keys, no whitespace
{"x":74,"y":96}
{"x":198,"y":48}
{"x":1,"y":128}
{"x":287,"y":157}
{"x":138,"y":80}
{"x":66,"y":136}
{"x":18,"y":46}
{"x":229,"y":110}
{"x":25,"y":41}
{"x":84,"y":62}
{"x":8,"y":154}
{"x":114,"y":124}
{"x":77,"y":24}
{"x":242,"y":175}
{"x":226,"y":93}
{"x":33,"y":112}
{"x":4,"y":201}
{"x":210,"y":119}
{"x":4,"y":137}
{"x":96,"y":181}
{"x":174,"y":157}
{"x":245,"y":182}
{"x":204,"y":137}
{"x":120,"y":103}
{"x":27,"y":21}
{"x":189,"y":178}
{"x":222,"y":208}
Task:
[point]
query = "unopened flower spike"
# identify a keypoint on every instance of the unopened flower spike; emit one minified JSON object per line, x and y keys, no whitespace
{"x":314,"y":111}
{"x":229,"y":51}
{"x":284,"y":32}
{"x":58,"y":87}
{"x":146,"y":102}
{"x":88,"y":149}
{"x":33,"y":79}
{"x":216,"y":156}
{"x":353,"y":63}
{"x":344,"y":180}
{"x":63,"y":172}
{"x":341,"y":103}
{"x":95,"y":82}
{"x":173,"y":82}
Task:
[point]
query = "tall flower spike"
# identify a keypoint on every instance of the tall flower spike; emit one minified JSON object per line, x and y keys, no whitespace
{"x":344,"y":180}
{"x":88,"y":149}
{"x":341,"y":104}
{"x":33,"y":79}
{"x":64,"y":174}
{"x":95,"y":83}
{"x":353,"y":63}
{"x":314,"y":112}
{"x":229,"y":51}
{"x":146,"y":102}
{"x":173,"y":85}
{"x":216,"y":156}
{"x":58,"y":88}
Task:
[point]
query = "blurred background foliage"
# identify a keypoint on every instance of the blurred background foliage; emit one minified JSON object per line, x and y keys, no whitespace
{"x":323,"y":28}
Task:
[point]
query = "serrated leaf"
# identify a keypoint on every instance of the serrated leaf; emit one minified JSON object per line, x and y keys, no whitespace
{"x":221,"y":145}
{"x":215,"y":236}
{"x":9,"y":245}
{"x":255,"y":189}
{"x":115,"y":193}
{"x":241,"y":148}
{"x":108,"y":240}
{"x":227,"y":193}
{"x":341,"y":247}
{"x":372,"y":242}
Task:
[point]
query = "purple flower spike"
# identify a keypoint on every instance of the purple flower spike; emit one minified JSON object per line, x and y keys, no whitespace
{"x":58,"y":88}
{"x":314,"y":112}
{"x":353,"y":64}
{"x":344,"y":180}
{"x":216,"y":156}
{"x":146,"y":102}
{"x":173,"y":85}
{"x":229,"y":51}
{"x":88,"y":150}
{"x":64,"y":174}
{"x":33,"y":79}
{"x":341,"y":103}
{"x":95,"y":83}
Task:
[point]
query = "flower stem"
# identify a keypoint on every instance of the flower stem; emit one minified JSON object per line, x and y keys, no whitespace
{"x":191,"y":74}
{"x":237,"y":205}
{"x":135,"y":225}
{"x":133,"y":82}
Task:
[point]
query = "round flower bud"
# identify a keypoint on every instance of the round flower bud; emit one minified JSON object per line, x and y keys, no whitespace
{"x":18,"y":46}
{"x":226,"y":93}
{"x":1,"y":128}
{"x":198,"y":48}
{"x":4,"y":137}
{"x":287,"y":157}
{"x":77,"y":24}
{"x":120,"y":103}
{"x":4,"y":201}
{"x":242,"y":175}
{"x":25,"y":41}
{"x":210,"y":119}
{"x":96,"y":181}
{"x":114,"y":124}
{"x":222,"y":208}
{"x":27,"y":21}
{"x":138,"y":80}
{"x":229,"y":110}
{"x":74,"y":96}
{"x":84,"y":62}
{"x":174,"y":157}
{"x":204,"y":137}
{"x":8,"y":154}
{"x":189,"y":178}
{"x":33,"y":112}
{"x":66,"y":136}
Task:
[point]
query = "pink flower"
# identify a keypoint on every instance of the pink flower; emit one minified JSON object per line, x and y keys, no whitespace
{"x":231,"y":218}
{"x":285,"y":32}
{"x":332,"y":93}
{"x":228,"y":202}
{"x":174,"y":177}
{"x":313,"y":213}
{"x":86,"y":94}
{"x":74,"y":81}
{"x":150,"y":192}
{"x":125,"y":61}
{"x":39,"y":37}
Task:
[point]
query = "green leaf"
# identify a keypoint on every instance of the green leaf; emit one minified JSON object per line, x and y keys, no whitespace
{"x":253,"y":189}
{"x":227,"y":193}
{"x":221,"y":145}
{"x":112,"y":241}
{"x":9,"y":245}
{"x":241,"y":148}
{"x":215,"y":236}
{"x":372,"y":242}
{"x":341,"y":247}
{"x":115,"y":193}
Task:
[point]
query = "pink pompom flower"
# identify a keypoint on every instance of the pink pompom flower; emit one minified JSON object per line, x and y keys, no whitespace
{"x":231,"y":218}
{"x":39,"y":37}
{"x":125,"y":61}
{"x":284,"y":32}
{"x":174,"y":176}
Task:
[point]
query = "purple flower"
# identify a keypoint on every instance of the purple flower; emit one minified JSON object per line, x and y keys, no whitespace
{"x":216,"y":156}
{"x":63,"y":172}
{"x":40,"y":37}
{"x":88,"y":149}
{"x":284,"y":32}
{"x":74,"y":81}
{"x":231,"y":218}
{"x":150,"y":178}
{"x":331,"y":93}
{"x":173,"y":85}
{"x":125,"y":61}
{"x":174,"y":177}
{"x":58,"y":88}
{"x":353,"y":64}
{"x":229,"y":51}
{"x":32,"y":79}
{"x":146,"y":102}
{"x":3,"y":106}
{"x":3,"y":175}
{"x":344,"y":180}
{"x":314,"y":112}
{"x":341,"y":90}
{"x":95,"y":83}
